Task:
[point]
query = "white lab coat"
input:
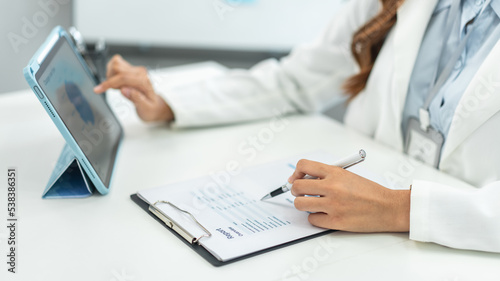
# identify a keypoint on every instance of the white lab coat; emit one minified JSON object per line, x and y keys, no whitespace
{"x":308,"y":80}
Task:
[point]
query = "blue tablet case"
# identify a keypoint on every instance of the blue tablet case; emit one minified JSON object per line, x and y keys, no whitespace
{"x":68,"y":180}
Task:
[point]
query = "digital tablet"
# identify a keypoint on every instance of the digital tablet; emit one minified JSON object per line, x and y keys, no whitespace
{"x":62,"y":81}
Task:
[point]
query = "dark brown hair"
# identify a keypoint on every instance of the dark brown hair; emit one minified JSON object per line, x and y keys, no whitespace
{"x":366,"y":44}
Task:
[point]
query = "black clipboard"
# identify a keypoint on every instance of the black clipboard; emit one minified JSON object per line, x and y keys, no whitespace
{"x":206,"y":254}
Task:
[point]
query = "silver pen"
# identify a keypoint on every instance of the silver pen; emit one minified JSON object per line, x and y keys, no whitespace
{"x":344,"y":163}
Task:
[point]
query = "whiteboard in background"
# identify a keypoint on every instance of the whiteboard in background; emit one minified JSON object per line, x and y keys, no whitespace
{"x":253,"y":25}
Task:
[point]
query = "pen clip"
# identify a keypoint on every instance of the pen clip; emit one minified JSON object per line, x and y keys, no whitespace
{"x":354,"y":163}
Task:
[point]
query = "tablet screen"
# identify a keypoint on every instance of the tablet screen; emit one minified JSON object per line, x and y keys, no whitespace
{"x":69,"y":87}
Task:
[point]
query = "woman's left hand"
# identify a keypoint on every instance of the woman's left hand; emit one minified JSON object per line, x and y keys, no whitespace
{"x":347,"y":201}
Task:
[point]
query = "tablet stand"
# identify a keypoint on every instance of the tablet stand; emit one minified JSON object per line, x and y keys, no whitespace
{"x":68,"y":180}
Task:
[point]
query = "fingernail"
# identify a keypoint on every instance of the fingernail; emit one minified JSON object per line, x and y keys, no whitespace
{"x":126,"y":92}
{"x":98,"y":89}
{"x":290,"y":179}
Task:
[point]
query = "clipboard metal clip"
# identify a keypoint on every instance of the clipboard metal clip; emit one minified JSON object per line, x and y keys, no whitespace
{"x":176,"y":227}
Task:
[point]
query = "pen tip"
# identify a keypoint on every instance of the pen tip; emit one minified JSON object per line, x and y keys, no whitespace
{"x":265,"y":197}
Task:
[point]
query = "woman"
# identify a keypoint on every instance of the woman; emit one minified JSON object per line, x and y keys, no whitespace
{"x":390,"y":57}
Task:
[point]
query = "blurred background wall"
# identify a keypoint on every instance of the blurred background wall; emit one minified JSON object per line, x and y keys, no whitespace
{"x":163,"y":33}
{"x":24,"y":24}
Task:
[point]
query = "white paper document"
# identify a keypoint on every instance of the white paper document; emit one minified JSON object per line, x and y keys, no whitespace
{"x":230,"y":208}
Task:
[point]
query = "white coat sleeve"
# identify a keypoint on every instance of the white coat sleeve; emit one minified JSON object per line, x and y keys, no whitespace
{"x":457,"y":218}
{"x":307,"y":80}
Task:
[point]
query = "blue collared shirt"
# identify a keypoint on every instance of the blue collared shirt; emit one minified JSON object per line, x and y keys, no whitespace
{"x":480,"y":43}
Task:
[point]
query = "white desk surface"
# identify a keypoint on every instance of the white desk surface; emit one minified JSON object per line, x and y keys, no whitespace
{"x":110,"y":238}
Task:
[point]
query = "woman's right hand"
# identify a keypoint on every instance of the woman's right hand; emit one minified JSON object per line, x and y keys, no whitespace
{"x":134,"y":84}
